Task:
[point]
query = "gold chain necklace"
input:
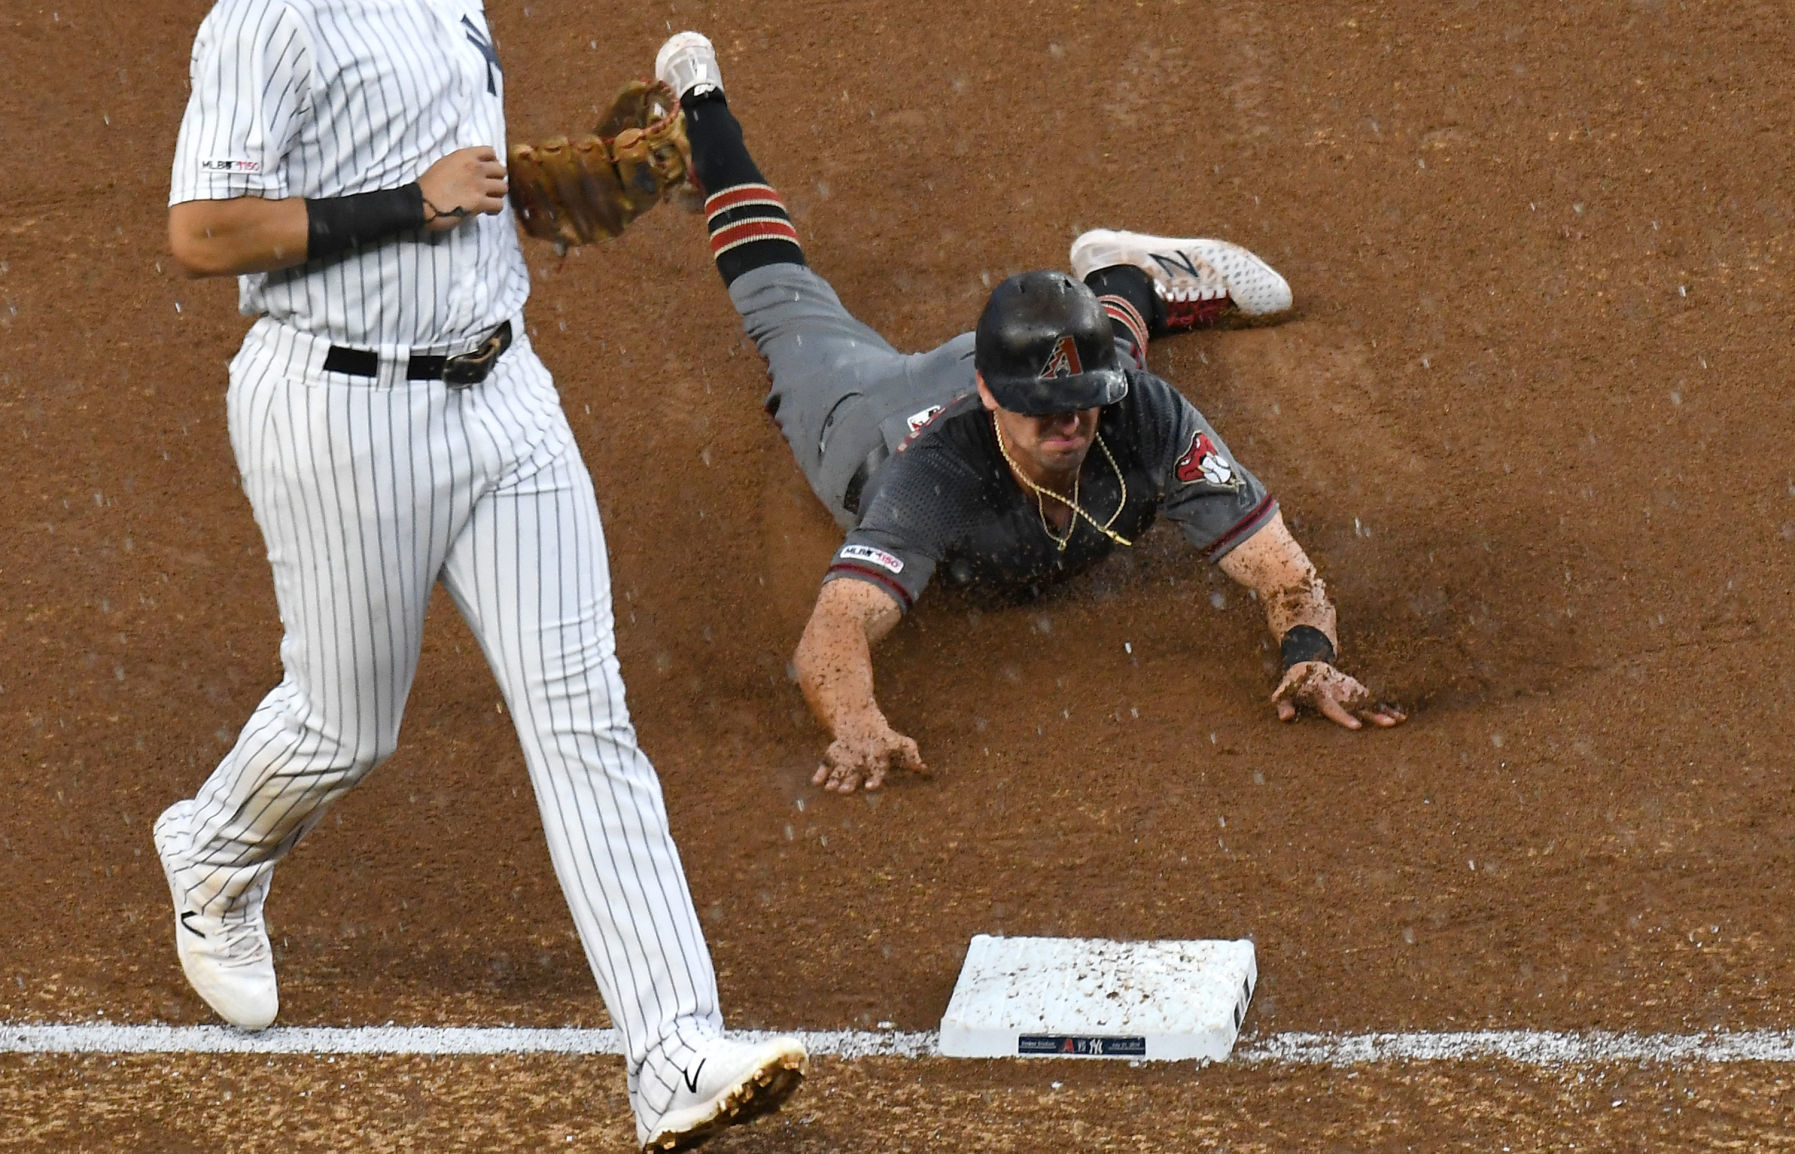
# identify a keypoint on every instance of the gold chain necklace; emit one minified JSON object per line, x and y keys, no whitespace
{"x":1072,"y":503}
{"x":1041,"y":512}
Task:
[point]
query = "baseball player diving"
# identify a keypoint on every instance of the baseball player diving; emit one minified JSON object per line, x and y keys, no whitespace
{"x":1009,"y":459}
{"x":395,"y":429}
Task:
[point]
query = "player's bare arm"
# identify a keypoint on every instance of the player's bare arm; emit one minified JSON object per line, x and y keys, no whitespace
{"x":835,"y":671}
{"x":250,"y":234}
{"x":1274,"y":566}
{"x":231,"y":237}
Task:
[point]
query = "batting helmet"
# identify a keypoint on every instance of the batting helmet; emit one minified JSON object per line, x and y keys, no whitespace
{"x":1044,"y":345}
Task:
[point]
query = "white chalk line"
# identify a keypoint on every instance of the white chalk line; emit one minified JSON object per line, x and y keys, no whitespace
{"x":1525,"y":1047}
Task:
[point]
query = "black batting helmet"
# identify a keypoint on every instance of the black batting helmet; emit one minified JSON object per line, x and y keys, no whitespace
{"x":1044,"y":345}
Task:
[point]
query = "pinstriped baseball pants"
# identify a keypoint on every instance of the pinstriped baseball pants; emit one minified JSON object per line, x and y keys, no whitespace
{"x":369,"y":492}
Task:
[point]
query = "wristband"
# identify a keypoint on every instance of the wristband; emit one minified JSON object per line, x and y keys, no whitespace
{"x":1305,"y":643}
{"x":336,"y":224}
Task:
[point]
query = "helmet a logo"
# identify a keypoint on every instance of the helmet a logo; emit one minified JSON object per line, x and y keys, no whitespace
{"x":1063,"y":361}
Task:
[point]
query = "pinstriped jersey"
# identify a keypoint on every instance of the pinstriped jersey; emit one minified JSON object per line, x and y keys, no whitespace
{"x":323,"y":98}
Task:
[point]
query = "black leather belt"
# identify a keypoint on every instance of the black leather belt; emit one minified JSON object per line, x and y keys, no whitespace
{"x":458,"y":372}
{"x":850,"y":499}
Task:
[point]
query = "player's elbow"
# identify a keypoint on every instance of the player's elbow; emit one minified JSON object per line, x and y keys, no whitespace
{"x":225,"y":237}
{"x":194,"y":254}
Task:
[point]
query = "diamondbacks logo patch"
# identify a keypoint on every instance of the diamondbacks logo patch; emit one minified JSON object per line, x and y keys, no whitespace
{"x":1063,"y":361}
{"x":1202,"y":462}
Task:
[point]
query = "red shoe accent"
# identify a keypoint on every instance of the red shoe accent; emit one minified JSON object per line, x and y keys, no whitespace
{"x":1182,"y":315}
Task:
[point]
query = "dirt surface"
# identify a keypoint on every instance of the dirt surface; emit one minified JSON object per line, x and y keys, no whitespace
{"x":895,"y":1107}
{"x":1531,"y":419}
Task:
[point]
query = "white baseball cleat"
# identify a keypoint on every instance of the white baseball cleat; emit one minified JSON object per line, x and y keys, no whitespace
{"x":1198,"y":279}
{"x":227,"y":960}
{"x":688,"y":64}
{"x":725,"y":1084}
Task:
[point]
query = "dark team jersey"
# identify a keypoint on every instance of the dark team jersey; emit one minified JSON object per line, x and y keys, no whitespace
{"x":946,"y":501}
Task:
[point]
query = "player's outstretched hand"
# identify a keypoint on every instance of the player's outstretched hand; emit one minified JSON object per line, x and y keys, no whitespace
{"x":467,"y":182}
{"x":1337,"y":696}
{"x":861,"y":760}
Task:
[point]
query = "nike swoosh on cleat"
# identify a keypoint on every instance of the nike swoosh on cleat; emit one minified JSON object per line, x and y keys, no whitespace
{"x":201,"y":933}
{"x":692,"y":1076}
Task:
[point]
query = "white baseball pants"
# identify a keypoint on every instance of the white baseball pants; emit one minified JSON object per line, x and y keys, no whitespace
{"x":368,"y":492}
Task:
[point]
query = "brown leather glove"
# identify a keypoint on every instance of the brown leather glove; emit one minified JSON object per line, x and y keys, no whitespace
{"x":589,"y":189}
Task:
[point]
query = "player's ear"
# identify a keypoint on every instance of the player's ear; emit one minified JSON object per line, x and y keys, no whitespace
{"x":990,"y":402}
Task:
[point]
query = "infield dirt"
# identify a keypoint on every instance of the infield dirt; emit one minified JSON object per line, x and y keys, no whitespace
{"x":1530,"y":417}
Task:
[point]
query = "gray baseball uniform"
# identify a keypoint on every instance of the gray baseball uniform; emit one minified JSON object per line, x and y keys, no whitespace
{"x":901,"y":451}
{"x":843,"y":397}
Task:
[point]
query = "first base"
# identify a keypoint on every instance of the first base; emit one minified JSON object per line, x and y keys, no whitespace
{"x":1093,"y":998}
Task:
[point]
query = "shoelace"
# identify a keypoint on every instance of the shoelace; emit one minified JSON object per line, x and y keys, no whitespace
{"x":239,"y":943}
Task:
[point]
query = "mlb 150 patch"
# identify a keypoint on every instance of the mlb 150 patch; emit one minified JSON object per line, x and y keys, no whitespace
{"x":872,"y":556}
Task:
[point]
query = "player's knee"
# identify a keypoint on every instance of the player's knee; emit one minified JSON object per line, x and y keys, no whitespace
{"x":353,"y":751}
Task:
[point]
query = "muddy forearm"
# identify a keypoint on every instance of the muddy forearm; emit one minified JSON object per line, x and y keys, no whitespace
{"x":834,"y":659}
{"x":1274,"y":566}
{"x":835,"y":671}
{"x":1304,"y":602}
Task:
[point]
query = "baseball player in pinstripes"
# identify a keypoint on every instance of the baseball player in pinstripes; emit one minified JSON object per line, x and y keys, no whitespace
{"x":393,"y":429}
{"x":1009,"y":459}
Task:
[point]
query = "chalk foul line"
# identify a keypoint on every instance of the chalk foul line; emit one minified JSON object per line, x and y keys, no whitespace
{"x":102,"y":1038}
{"x":1526,"y":1047}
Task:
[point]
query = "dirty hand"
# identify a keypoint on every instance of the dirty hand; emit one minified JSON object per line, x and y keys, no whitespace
{"x":861,"y":759}
{"x":1337,"y":696}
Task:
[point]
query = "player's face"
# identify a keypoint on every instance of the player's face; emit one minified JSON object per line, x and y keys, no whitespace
{"x":1055,"y":444}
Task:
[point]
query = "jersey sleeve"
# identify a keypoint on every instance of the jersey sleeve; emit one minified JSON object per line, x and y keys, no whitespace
{"x":880,"y":558}
{"x":251,"y":76}
{"x":906,"y":529}
{"x":1214,"y":499}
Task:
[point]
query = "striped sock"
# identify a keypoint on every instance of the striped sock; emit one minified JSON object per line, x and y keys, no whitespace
{"x":748,"y":222}
{"x":1129,"y":325}
{"x":1135,"y":310}
{"x":750,"y":228}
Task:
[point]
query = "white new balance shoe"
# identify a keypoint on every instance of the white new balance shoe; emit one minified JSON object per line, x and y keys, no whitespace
{"x":688,"y":64}
{"x":724,"y":1084}
{"x":227,"y":960}
{"x":1199,"y":280}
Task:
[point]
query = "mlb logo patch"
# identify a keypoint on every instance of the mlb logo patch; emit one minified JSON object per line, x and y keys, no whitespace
{"x":874,"y":556}
{"x":916,"y":421}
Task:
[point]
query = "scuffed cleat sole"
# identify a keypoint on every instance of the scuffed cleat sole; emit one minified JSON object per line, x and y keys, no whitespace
{"x":764,"y":1093}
